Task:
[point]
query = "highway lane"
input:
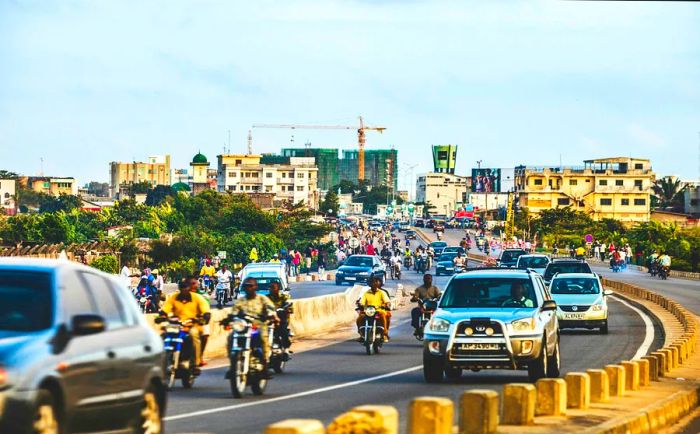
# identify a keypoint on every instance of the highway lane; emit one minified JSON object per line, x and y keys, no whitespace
{"x":348,"y":376}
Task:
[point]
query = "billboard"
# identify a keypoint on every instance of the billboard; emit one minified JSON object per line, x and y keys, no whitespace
{"x":444,"y":158}
{"x":486,"y":180}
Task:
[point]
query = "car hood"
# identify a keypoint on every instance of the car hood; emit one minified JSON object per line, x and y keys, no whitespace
{"x":506,"y":315}
{"x":578,"y":299}
{"x":446,"y":263}
{"x":13,"y":344}
{"x":353,"y":269}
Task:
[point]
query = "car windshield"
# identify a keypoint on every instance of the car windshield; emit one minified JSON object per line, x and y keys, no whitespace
{"x":438,"y":244}
{"x":533,"y":262}
{"x":26,"y":303}
{"x":356,"y":261}
{"x":570,"y":267}
{"x":493,"y":292}
{"x":447,"y":257}
{"x":264,"y":281}
{"x":511,"y":255}
{"x":571,"y":285}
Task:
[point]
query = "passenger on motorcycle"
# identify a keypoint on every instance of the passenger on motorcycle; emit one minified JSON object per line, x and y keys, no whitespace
{"x":385,"y":254}
{"x":664,"y":260}
{"x":377,"y":297}
{"x":207,"y":270}
{"x":262,"y":309}
{"x":186,"y":305}
{"x":224,"y":277}
{"x":460,"y":261}
{"x":395,"y":265}
{"x":280,"y":299}
{"x":422,"y":293}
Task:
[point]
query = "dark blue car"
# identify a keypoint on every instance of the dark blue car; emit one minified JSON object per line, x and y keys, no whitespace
{"x":359,"y":268}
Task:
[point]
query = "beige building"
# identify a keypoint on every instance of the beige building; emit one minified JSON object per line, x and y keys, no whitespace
{"x":49,"y":185}
{"x":155,"y":171}
{"x":294,"y":182}
{"x":615,"y":188}
{"x":445,"y":191}
{"x":8,"y":191}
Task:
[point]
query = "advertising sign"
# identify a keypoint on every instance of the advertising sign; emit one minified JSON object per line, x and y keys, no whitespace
{"x":486,"y":180}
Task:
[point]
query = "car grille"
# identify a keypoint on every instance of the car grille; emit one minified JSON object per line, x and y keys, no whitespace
{"x":479,"y":327}
{"x":579,"y":308}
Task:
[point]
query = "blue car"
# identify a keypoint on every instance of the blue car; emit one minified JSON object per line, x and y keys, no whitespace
{"x":359,"y":268}
{"x":445,"y":264}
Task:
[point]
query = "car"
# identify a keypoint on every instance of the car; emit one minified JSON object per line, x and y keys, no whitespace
{"x":454,"y":249}
{"x":404,"y":226}
{"x":565,"y":265}
{"x":439,"y":227}
{"x":537,"y":262}
{"x":359,"y":268}
{"x":445,"y":263}
{"x":429,"y":224}
{"x":478,"y":326}
{"x":438,"y":246}
{"x":410,"y":234}
{"x":265,"y":273}
{"x":419,"y":223}
{"x":509,"y":257}
{"x":581,"y":301}
{"x":76,"y":354}
{"x":375,"y":227}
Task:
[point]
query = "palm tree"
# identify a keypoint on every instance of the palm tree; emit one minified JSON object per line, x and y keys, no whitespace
{"x":669,"y":192}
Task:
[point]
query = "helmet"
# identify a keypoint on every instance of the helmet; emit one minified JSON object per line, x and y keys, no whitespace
{"x":208,"y":261}
{"x":155,"y":271}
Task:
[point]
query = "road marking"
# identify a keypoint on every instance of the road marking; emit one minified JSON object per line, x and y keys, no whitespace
{"x":291,"y":396}
{"x":648,"y":329}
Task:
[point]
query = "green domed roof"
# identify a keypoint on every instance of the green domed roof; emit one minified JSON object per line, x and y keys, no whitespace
{"x":199,"y":159}
{"x":181,"y":186}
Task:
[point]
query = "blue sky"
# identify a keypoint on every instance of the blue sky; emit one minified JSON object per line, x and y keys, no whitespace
{"x":83,"y":83}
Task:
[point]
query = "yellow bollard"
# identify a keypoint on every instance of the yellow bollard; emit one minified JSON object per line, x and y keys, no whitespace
{"x":631,"y":375}
{"x":385,"y":417}
{"x":551,"y":397}
{"x":600,"y":385}
{"x":578,"y":390}
{"x":518,"y":404}
{"x":644,"y":377}
{"x":429,"y":415}
{"x":616,"y":376}
{"x":296,"y":426}
{"x":662,"y":362}
{"x":478,"y":412}
{"x":668,"y":359}
{"x":653,"y":367}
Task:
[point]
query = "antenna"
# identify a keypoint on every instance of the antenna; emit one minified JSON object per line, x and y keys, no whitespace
{"x":41,"y":170}
{"x":250,"y":143}
{"x":229,"y":141}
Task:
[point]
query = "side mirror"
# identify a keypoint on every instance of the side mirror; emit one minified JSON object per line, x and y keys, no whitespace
{"x":82,"y":325}
{"x":549,"y":305}
{"x":607,"y":292}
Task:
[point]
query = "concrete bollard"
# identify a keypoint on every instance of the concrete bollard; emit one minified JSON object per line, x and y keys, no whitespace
{"x":661,"y":362}
{"x":307,"y":278}
{"x":631,"y":375}
{"x":518,"y":404}
{"x":296,"y":426}
{"x":616,"y":377}
{"x":676,"y":356}
{"x":578,"y":390}
{"x":668,"y":359}
{"x":478,"y":412}
{"x":300,"y":278}
{"x":653,"y":367}
{"x":600,"y":385}
{"x":314,"y":277}
{"x":385,"y":418}
{"x":551,"y":397}
{"x":643,"y":372}
{"x":429,"y":415}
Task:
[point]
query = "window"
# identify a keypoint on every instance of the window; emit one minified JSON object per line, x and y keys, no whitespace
{"x":284,"y":188}
{"x":75,"y":300}
{"x":107,"y":303}
{"x":239,"y":162}
{"x":232,"y":174}
{"x":537,"y":181}
{"x":255,"y":174}
{"x":268,"y":188}
{"x":442,"y":155}
{"x":638,"y":166}
{"x":564,"y":201}
{"x":640,"y":202}
{"x":603,"y":182}
{"x":284,"y":174}
{"x":624,"y":202}
{"x":573,"y":182}
{"x":638,"y":183}
{"x":619,"y":182}
{"x":300,"y":188}
{"x":247,"y":174}
{"x":232,"y":187}
{"x":605,"y":201}
{"x":26,"y":301}
{"x":268,"y":175}
{"x":7,"y":195}
{"x":300,"y":175}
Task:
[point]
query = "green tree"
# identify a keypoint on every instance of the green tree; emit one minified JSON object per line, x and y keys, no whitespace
{"x":346,"y":187}
{"x":6,"y":174}
{"x":55,"y":228}
{"x":669,"y":192}
{"x":64,"y":202}
{"x":106,"y":263}
{"x":330,"y":203}
{"x":157,"y":195}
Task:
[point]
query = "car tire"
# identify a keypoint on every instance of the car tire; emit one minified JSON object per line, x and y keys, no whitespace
{"x":46,"y":417}
{"x":432,"y":369}
{"x":537,"y":368}
{"x":150,"y":419}
{"x":604,"y":329}
{"x":554,"y":363}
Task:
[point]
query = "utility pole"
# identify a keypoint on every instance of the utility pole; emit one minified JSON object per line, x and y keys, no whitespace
{"x":250,"y":143}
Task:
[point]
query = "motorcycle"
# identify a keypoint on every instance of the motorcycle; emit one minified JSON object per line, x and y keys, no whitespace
{"x":653,"y":269}
{"x":427,"y":308}
{"x":663,"y":272}
{"x":395,"y":271}
{"x":372,"y":331}
{"x":222,"y":289}
{"x":145,"y":301}
{"x":421,"y":265}
{"x":179,"y":352}
{"x":207,"y":282}
{"x":408,"y":262}
{"x":246,"y":355}
{"x":280,"y":343}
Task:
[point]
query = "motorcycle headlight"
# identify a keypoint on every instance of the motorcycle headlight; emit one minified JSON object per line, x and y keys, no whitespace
{"x":370,"y":310}
{"x":439,"y":325}
{"x":523,"y":325}
{"x":239,"y":325}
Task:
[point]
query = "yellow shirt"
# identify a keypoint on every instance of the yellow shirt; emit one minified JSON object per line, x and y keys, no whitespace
{"x":377,"y":299}
{"x":207,"y":271}
{"x":186,"y":309}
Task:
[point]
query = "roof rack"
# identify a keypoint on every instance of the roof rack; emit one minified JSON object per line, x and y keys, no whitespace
{"x":468,"y":269}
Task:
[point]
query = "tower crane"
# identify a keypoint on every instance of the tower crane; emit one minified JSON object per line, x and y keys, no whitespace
{"x":360,"y":137}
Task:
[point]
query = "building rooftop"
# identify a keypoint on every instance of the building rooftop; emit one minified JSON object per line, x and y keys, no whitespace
{"x":199,"y":159}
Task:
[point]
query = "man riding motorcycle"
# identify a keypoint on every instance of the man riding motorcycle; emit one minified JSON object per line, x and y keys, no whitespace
{"x":422,"y":293}
{"x":262,"y":309}
{"x":186,"y":305}
{"x":377,"y":297}
{"x":207,"y":270}
{"x":395,"y":265}
{"x":460,"y":262}
{"x":224,"y":277}
{"x":280,"y":299}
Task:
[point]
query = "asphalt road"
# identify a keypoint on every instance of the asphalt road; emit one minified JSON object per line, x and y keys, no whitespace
{"x":324,"y":382}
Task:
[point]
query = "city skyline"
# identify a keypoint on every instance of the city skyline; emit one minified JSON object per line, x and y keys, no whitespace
{"x":487,"y":77}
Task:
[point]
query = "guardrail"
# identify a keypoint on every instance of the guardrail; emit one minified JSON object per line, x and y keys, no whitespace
{"x":479,"y":410}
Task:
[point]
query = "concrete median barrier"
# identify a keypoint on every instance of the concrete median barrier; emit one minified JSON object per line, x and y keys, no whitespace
{"x":631,"y":375}
{"x":616,"y":376}
{"x":600,"y":386}
{"x":653,"y":367}
{"x":551,"y":397}
{"x":518,"y":404}
{"x":296,"y":426}
{"x":478,"y":412}
{"x":430,"y":415}
{"x":578,"y":390}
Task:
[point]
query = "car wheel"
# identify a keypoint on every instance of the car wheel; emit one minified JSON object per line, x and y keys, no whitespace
{"x":604,"y":329}
{"x":432,"y":369}
{"x":537,"y":368}
{"x":554,"y":363}
{"x":46,"y":415}
{"x":151,"y":417}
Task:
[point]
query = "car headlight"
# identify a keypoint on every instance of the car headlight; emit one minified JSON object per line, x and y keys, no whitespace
{"x":339,"y":272}
{"x":439,"y":325}
{"x":239,"y":325}
{"x":523,"y":325}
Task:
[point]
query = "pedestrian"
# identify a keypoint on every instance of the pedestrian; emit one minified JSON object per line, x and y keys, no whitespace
{"x":296,"y":262}
{"x":321,"y":261}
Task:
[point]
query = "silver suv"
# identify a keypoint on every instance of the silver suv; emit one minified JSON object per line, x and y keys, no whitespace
{"x":493,"y":319}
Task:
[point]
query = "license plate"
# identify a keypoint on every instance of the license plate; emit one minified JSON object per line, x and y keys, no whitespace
{"x":479,"y":346}
{"x":574,"y":315}
{"x":449,"y":269}
{"x":350,"y":278}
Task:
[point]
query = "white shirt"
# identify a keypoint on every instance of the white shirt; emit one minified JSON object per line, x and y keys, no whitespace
{"x":224,"y":276}
{"x":125,"y":271}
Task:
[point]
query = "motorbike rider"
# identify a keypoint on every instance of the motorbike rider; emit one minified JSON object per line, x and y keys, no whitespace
{"x":379,"y":298}
{"x":460,"y":261}
{"x":224,"y":277}
{"x":395,"y":264}
{"x":207,"y":270}
{"x":280,"y":299}
{"x":261,"y":309}
{"x":385,"y":254}
{"x":422,"y":293}
{"x":664,"y":260}
{"x":186,"y":305}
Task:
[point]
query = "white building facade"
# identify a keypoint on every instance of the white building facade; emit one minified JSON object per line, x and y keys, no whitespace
{"x":8,"y":190}
{"x":445,"y":192}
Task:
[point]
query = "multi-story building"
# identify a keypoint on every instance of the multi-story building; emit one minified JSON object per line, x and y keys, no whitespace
{"x":8,"y":190}
{"x":444,"y":158}
{"x":445,"y":192}
{"x":294,"y":181}
{"x":615,"y":188}
{"x":49,"y":185}
{"x":691,"y":199}
{"x":155,"y":171}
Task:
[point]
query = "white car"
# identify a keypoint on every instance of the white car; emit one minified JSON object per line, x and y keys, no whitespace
{"x":581,"y":301}
{"x":537,"y":262}
{"x":265,"y":273}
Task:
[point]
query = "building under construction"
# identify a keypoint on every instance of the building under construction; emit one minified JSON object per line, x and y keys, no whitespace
{"x":381,"y":165}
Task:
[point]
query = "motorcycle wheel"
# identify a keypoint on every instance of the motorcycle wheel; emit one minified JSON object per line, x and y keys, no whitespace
{"x":170,"y":369}
{"x":258,"y":384}
{"x":239,"y":380}
{"x":188,"y":377}
{"x":369,"y":348}
{"x":376,"y":347}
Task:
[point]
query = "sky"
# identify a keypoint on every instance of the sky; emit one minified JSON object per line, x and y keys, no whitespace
{"x":83,"y":83}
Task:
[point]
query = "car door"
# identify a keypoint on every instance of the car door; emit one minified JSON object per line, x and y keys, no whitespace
{"x":549,"y":317}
